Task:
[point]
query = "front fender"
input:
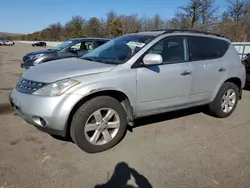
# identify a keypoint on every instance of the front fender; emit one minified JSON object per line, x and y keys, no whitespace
{"x":90,"y":90}
{"x":121,"y":81}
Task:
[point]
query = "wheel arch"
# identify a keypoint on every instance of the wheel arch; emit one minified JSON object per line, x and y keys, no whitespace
{"x":118,"y":95}
{"x":234,"y":80}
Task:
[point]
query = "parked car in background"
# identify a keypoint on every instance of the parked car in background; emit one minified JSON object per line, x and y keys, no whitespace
{"x":7,"y":43}
{"x":42,"y":44}
{"x":246,"y":62}
{"x":95,"y":97}
{"x":72,"y":48}
{"x":1,"y":43}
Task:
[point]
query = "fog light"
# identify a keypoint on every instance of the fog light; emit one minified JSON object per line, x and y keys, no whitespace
{"x":43,"y":122}
{"x":40,"y":121}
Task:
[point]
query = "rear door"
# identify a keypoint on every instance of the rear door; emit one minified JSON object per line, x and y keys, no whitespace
{"x":209,"y":66}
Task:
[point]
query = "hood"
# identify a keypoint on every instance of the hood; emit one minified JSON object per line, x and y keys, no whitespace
{"x":40,"y":52}
{"x":65,"y":68}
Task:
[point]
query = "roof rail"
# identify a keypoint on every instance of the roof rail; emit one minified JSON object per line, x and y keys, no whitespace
{"x":188,"y":30}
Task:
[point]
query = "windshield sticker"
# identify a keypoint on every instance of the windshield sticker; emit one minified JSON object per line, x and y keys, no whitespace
{"x":136,"y":44}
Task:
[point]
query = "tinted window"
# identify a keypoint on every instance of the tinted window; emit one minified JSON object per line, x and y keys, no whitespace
{"x":172,"y":49}
{"x":203,"y":48}
{"x":99,"y":43}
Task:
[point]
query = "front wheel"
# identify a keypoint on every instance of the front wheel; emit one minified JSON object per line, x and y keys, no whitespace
{"x":99,"y":124}
{"x":226,"y":100}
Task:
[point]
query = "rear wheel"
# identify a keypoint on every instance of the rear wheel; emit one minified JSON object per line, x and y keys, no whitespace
{"x":226,"y":100}
{"x":98,"y":124}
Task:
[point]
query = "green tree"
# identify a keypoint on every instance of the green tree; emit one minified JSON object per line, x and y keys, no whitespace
{"x":115,"y":28}
{"x":55,"y":31}
{"x":75,"y":27}
{"x":94,"y":28}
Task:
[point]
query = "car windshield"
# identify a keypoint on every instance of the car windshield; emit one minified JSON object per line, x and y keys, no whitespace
{"x":62,"y":45}
{"x":119,"y":50}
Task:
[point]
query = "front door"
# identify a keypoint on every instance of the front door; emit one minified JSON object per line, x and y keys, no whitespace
{"x":165,"y":86}
{"x":76,"y":50}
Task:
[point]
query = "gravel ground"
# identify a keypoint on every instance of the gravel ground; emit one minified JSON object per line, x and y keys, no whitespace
{"x":182,"y":149}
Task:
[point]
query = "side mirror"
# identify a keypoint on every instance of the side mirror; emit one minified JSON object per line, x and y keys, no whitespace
{"x":152,"y":59}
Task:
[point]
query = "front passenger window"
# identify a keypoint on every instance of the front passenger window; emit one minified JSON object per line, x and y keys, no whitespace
{"x":171,"y":49}
{"x":75,"y":47}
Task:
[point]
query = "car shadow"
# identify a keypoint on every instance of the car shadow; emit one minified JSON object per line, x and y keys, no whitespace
{"x":6,"y":108}
{"x":169,"y":116}
{"x":67,"y":138}
{"x":152,"y":119}
{"x":121,"y":175}
{"x":247,"y":87}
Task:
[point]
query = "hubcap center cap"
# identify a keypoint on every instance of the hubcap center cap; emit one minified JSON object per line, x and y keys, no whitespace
{"x":102,"y":125}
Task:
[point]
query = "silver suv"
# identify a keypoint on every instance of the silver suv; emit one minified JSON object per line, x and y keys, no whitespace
{"x":95,"y":97}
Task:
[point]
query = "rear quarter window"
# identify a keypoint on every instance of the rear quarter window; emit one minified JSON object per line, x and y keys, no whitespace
{"x":205,"y":48}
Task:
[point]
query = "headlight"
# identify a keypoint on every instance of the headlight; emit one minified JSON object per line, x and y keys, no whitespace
{"x":36,"y":56}
{"x":56,"y":88}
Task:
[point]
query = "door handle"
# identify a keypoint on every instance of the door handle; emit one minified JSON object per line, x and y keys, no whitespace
{"x":222,"y":69}
{"x":185,"y":73}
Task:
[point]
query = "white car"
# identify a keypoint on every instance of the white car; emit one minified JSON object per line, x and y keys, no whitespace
{"x":8,"y":43}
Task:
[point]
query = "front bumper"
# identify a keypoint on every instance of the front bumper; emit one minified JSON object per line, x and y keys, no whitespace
{"x":48,"y":114}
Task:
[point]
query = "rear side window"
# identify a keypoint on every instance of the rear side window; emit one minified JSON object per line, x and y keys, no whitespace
{"x":205,"y":48}
{"x":99,"y":43}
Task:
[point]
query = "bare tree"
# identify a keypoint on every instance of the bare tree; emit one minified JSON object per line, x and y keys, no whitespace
{"x":191,"y":12}
{"x":196,"y":14}
{"x":131,"y":23}
{"x":236,"y":9}
{"x":157,"y":21}
{"x":208,"y":11}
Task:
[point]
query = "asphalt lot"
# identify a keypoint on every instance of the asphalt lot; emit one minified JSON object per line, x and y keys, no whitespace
{"x":181,"y":149}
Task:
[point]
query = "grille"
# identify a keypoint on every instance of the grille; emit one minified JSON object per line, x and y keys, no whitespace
{"x":28,"y":86}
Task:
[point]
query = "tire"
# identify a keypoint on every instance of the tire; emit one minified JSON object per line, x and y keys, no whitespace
{"x":85,"y":113}
{"x":216,"y":108}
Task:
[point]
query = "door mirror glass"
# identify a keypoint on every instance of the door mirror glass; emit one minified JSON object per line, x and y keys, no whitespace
{"x":152,"y":59}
